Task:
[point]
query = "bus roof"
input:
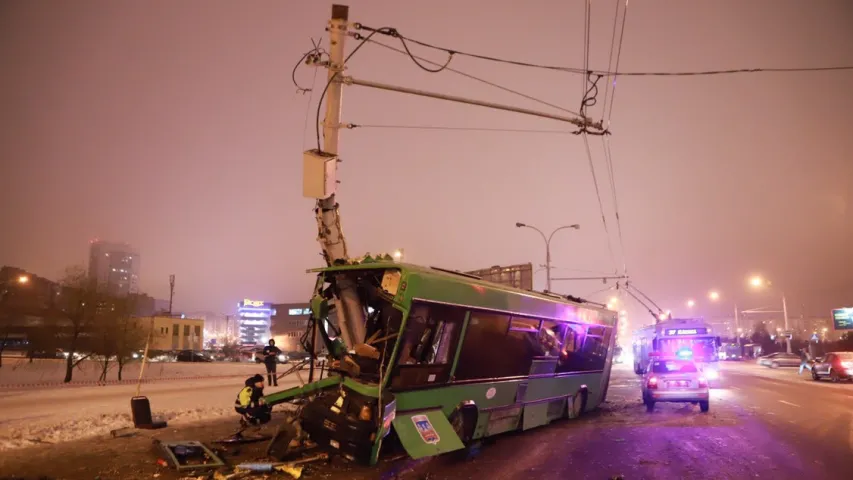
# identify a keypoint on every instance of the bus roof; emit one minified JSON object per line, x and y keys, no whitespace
{"x":456,"y":288}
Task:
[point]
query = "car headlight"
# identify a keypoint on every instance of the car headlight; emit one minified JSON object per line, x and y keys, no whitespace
{"x":712,"y":374}
{"x":282,"y":358}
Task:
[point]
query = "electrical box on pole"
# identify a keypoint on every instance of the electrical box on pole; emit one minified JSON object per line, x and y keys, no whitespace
{"x":319,"y":174}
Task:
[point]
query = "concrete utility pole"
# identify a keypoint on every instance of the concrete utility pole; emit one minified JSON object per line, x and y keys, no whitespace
{"x":171,"y":292}
{"x":320,"y":183}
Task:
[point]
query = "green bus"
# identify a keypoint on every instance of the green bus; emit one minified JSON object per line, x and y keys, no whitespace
{"x":449,"y":359}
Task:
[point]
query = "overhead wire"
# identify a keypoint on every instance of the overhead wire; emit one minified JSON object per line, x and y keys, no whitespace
{"x":590,"y":94}
{"x":467,"y":129}
{"x":606,"y":73}
{"x":606,"y":117}
{"x":475,"y":78}
{"x":618,"y":56}
{"x":610,"y":56}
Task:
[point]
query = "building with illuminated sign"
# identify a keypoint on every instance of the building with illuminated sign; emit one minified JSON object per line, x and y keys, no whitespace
{"x":255,"y":320}
{"x":288,"y":325}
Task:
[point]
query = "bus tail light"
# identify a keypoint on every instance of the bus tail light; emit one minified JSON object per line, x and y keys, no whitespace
{"x":653,"y":382}
{"x":703,"y":382}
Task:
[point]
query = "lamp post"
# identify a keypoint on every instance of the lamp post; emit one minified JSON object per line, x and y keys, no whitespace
{"x":398,"y":254}
{"x":547,"y":247}
{"x":758,"y":282}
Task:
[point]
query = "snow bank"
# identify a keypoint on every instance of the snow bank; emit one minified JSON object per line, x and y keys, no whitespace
{"x":29,"y":434}
{"x":17,"y":372}
{"x":60,"y":415}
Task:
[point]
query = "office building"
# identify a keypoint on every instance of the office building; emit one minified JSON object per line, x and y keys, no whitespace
{"x":254,"y":320}
{"x":173,"y":333}
{"x":289,"y":324}
{"x":115,"y":266}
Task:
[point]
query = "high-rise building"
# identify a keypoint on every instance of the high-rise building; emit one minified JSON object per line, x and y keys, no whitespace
{"x":255,"y":321}
{"x":114,"y":266}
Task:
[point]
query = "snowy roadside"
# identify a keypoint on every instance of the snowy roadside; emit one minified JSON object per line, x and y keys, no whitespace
{"x":19,"y":372}
{"x":55,"y":415}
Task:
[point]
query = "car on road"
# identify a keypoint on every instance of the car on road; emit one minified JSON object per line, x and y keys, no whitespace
{"x":834,"y":365}
{"x":675,"y":380}
{"x":780,"y":359}
{"x":191,"y":356}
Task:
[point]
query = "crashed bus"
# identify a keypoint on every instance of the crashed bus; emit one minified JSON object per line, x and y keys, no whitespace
{"x":447,"y":359}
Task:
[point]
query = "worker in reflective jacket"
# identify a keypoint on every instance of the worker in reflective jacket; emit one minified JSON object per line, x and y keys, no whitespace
{"x":250,"y":403}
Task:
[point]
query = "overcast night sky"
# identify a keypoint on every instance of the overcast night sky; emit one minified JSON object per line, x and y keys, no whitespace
{"x":175,"y":126}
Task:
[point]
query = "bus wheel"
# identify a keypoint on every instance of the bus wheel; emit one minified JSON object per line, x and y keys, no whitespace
{"x":464,"y":421}
{"x":576,"y":405}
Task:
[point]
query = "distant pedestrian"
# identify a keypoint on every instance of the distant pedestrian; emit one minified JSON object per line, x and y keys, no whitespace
{"x":804,"y":361}
{"x":271,"y":353}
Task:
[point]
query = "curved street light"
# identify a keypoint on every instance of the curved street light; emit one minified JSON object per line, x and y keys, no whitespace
{"x":547,"y":246}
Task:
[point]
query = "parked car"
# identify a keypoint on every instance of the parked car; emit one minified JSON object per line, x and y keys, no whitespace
{"x":835,"y":365}
{"x":675,"y":381}
{"x":191,"y":356}
{"x":781,"y":359}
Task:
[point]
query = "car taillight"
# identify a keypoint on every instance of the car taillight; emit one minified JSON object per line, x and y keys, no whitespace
{"x":653,"y":382}
{"x":703,"y":382}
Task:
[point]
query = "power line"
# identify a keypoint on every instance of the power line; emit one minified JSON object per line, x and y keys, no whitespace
{"x":605,"y":73}
{"x":469,"y":129}
{"x":608,"y":159}
{"x":475,"y":78}
{"x":610,"y":56}
{"x":618,"y":56}
{"x":598,"y":196}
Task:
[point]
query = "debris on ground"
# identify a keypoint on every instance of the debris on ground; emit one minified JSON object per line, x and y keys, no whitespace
{"x":189,"y":455}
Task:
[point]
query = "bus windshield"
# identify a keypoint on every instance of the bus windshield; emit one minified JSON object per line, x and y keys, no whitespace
{"x":702,"y":348}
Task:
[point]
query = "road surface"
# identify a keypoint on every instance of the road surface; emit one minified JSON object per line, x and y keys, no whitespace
{"x":763,"y":424}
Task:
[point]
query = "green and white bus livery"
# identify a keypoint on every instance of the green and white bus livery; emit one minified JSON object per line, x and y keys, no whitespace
{"x":448,"y":359}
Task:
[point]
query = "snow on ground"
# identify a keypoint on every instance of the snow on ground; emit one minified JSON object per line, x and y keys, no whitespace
{"x":51,"y":415}
{"x":19,"y":371}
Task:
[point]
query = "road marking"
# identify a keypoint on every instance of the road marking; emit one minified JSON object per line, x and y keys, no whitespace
{"x":788,"y":403}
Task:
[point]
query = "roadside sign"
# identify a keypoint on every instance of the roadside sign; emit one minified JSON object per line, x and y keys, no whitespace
{"x":842,"y":318}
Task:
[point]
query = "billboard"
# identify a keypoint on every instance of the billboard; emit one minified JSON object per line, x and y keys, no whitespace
{"x":518,"y":276}
{"x":842,"y":318}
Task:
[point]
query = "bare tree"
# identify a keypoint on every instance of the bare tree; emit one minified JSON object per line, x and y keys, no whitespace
{"x":81,"y":301}
{"x":131,"y":333}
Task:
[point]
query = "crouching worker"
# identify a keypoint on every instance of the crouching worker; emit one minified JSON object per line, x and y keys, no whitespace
{"x":250,"y":403}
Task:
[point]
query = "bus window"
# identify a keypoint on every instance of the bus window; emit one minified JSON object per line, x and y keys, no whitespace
{"x":429,"y":342}
{"x":595,"y":347}
{"x":571,"y":358}
{"x":485,"y":352}
{"x":551,"y":336}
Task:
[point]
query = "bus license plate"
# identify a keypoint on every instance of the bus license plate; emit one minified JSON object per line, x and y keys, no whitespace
{"x":678,"y":384}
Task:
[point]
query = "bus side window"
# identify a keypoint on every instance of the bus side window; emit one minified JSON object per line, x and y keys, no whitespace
{"x":429,"y":343}
{"x":484,"y":348}
{"x":571,"y":359}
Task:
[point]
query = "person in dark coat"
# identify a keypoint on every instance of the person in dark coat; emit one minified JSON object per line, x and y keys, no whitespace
{"x":271,"y":353}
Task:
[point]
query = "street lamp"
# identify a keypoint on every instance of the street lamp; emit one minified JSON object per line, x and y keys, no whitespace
{"x":756,"y":281}
{"x":547,"y":246}
{"x":398,"y":254}
{"x":690,"y":304}
{"x":23,"y":279}
{"x":714,"y":295}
